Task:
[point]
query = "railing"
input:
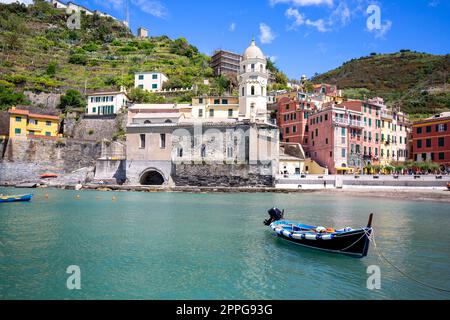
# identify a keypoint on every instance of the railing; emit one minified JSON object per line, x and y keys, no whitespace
{"x":348,"y":122}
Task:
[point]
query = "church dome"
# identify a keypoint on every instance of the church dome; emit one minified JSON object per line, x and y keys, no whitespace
{"x":253,"y":52}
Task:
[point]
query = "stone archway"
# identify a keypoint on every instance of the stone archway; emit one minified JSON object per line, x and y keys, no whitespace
{"x":152,"y":177}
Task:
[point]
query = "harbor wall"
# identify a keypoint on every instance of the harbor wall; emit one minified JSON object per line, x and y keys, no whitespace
{"x":223,"y":175}
{"x":26,"y":159}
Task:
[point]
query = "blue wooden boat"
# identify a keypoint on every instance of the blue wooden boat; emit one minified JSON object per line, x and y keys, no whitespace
{"x":347,"y":241}
{"x":25,"y":197}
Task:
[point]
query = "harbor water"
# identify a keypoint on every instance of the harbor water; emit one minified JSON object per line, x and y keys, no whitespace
{"x":213,"y":246}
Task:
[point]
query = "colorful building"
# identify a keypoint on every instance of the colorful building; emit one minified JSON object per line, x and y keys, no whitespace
{"x":395,"y":130}
{"x":106,"y":103}
{"x":292,"y":118}
{"x":215,"y":107}
{"x":23,"y":123}
{"x":431,"y":139}
{"x":150,"y":81}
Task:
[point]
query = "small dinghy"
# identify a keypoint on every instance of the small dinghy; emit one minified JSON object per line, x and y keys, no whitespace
{"x":25,"y":197}
{"x":348,"y":241}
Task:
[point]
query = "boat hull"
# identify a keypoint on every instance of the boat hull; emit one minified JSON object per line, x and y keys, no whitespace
{"x":354,"y":243}
{"x":20,"y":198}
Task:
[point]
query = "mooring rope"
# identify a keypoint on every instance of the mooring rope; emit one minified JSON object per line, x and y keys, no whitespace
{"x":383,"y":257}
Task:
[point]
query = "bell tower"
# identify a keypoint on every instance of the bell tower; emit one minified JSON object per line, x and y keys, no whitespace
{"x":253,"y":79}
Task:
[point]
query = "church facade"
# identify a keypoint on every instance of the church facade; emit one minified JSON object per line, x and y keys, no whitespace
{"x":178,"y":145}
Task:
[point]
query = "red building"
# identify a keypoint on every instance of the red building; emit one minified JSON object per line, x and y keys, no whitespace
{"x":431,"y":139}
{"x":292,"y":118}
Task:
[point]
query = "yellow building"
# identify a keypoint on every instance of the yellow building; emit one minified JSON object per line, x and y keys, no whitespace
{"x":394,"y":137}
{"x":24,"y":124}
{"x":226,"y":107}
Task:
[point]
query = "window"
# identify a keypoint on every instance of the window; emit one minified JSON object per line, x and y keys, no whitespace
{"x":432,"y":156}
{"x":48,"y":134}
{"x":154,"y":76}
{"x":230,"y":152}
{"x":253,"y":91}
{"x":343,"y":132}
{"x":154,"y":86}
{"x":294,"y":129}
{"x":141,"y":86}
{"x":441,"y":142}
{"x":48,"y":123}
{"x":141,"y":77}
{"x":94,"y":110}
{"x":376,"y":152}
{"x":142,"y":141}
{"x":419,"y":130}
{"x":370,"y":122}
{"x":200,"y":113}
{"x":317,"y":132}
{"x":287,"y":130}
{"x":419,"y":143}
{"x":428,"y":129}
{"x":17,"y":131}
{"x":441,"y":127}
{"x":326,"y":117}
{"x":224,"y":101}
{"x":441,"y":156}
{"x":211,"y":113}
{"x":180,"y":152}
{"x":200,"y":100}
{"x":243,"y":91}
{"x":162,"y":140}
{"x":18,"y":119}
{"x":326,"y":141}
{"x":230,"y":113}
{"x":428,"y":143}
{"x":331,"y":154}
{"x":343,"y":152}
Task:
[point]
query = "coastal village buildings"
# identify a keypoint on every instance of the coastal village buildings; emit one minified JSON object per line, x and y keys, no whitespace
{"x":150,"y":81}
{"x":25,"y":124}
{"x":106,"y":103}
{"x":395,"y":129}
{"x":431,"y":139}
{"x":225,"y":62}
{"x":229,"y":141}
{"x":142,"y":33}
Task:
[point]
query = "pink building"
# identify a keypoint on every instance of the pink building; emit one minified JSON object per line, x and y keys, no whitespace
{"x":346,"y":137}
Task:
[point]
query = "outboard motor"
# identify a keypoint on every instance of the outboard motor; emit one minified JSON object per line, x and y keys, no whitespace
{"x":275,"y":215}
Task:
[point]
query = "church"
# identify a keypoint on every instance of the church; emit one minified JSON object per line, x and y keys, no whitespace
{"x":216,"y":141}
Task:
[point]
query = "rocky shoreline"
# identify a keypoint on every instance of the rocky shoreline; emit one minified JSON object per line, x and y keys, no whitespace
{"x":411,"y":194}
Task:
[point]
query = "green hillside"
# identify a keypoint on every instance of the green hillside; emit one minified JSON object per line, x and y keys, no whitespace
{"x":39,"y":53}
{"x":417,"y":82}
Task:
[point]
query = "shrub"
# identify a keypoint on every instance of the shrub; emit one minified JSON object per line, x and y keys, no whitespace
{"x":72,"y":98}
{"x":80,"y":59}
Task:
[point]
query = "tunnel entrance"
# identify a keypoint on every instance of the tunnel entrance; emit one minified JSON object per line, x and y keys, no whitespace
{"x":152,"y":178}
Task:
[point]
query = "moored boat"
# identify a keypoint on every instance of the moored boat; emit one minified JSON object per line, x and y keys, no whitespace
{"x":16,"y":198}
{"x":49,"y":176}
{"x":347,"y":241}
{"x":448,"y":186}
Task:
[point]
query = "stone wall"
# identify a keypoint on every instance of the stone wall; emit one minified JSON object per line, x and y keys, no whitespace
{"x":93,"y":128}
{"x":48,"y":101}
{"x":26,"y":159}
{"x":223,"y":175}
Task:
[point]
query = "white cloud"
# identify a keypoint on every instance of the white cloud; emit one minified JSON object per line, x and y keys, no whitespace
{"x":155,"y":8}
{"x":266,"y":34}
{"x":303,"y":3}
{"x":299,"y":20}
{"x":232,"y":27}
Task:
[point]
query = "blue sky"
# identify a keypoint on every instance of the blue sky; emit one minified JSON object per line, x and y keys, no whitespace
{"x":302,"y":36}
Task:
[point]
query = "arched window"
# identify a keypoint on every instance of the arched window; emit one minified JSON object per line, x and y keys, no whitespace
{"x":253,"y":90}
{"x":243,"y":91}
{"x":147,"y":122}
{"x":168,"y":121}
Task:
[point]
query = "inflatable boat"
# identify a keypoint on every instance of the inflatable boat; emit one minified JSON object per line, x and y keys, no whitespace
{"x":347,"y":241}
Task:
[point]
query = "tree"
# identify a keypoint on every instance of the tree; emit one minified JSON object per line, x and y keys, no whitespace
{"x":137,"y":95}
{"x":10,"y":98}
{"x":72,"y":98}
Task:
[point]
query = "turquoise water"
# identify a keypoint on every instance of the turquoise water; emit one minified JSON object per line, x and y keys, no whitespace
{"x":212,"y":246}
